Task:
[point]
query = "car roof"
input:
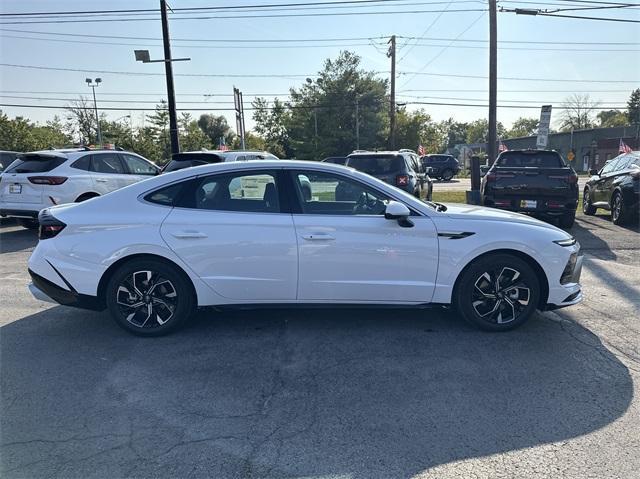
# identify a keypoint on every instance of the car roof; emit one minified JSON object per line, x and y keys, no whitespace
{"x":377,"y":153}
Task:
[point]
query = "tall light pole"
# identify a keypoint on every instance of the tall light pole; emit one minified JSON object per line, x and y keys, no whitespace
{"x":95,"y":104}
{"x":493,"y":83}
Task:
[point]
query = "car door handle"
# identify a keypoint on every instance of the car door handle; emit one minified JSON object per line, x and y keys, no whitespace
{"x":318,"y":237}
{"x":101,"y":180}
{"x":188,"y":234}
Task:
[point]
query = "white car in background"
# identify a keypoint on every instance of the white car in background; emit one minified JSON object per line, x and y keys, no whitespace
{"x":205,"y":242}
{"x":41,"y":179}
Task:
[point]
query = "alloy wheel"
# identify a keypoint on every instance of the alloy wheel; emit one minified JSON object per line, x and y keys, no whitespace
{"x":617,"y":208}
{"x":500,"y":295}
{"x":146,"y":299}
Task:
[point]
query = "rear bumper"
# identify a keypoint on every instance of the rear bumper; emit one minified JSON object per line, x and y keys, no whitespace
{"x":45,"y":290}
{"x":544,"y":206}
{"x":14,"y":213}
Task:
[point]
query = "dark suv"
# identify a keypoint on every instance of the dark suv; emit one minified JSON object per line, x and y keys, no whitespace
{"x":443,"y":167}
{"x":400,"y":169}
{"x":616,"y":187}
{"x":191,"y":158}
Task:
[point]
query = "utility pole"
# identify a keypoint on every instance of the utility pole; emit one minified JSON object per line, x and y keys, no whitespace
{"x":357,"y":124}
{"x":392,"y":107}
{"x":171,"y":94}
{"x":315,"y":137}
{"x":239,"y":107}
{"x":493,"y":82}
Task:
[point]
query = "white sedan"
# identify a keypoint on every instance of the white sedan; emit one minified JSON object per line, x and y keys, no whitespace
{"x":245,"y":233}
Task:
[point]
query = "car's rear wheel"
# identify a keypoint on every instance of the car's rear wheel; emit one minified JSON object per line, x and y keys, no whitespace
{"x":447,"y":174}
{"x":148,"y":297}
{"x":587,"y":207}
{"x":28,"y":223}
{"x":567,"y":220}
{"x":497,"y":292}
{"x":619,"y":214}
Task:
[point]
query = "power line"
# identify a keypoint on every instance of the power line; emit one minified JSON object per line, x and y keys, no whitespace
{"x":451,"y":75}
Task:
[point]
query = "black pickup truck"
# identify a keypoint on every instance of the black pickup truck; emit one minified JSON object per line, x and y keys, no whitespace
{"x":538,"y":182}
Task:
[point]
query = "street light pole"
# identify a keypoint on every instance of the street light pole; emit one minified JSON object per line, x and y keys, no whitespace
{"x":493,"y":82}
{"x":95,"y":105}
{"x":171,"y":95}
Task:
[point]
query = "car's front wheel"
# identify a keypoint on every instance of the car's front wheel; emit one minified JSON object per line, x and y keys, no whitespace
{"x":149,"y":297}
{"x":619,"y":213}
{"x":587,"y":208}
{"x":497,"y":292}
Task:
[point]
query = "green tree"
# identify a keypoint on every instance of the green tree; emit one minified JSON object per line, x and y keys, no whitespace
{"x":329,"y":101}
{"x":19,"y":134}
{"x":523,"y":127}
{"x":252,"y":142}
{"x":478,"y":131}
{"x":159,"y":131}
{"x":455,"y":131}
{"x":610,"y":118}
{"x":271,"y":125}
{"x":633,"y":107}
{"x":417,"y":128}
{"x":216,"y":127}
{"x":192,"y":138}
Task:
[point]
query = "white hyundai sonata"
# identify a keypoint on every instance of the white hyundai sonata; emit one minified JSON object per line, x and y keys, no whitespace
{"x":248,"y":233}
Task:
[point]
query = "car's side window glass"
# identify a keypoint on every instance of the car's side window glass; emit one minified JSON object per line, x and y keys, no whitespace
{"x":83,"y":163}
{"x":255,"y":192}
{"x":106,"y":163}
{"x":323,"y":193}
{"x":166,"y":196}
{"x":137,"y":166}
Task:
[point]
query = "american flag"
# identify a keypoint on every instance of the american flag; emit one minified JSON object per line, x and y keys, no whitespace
{"x":624,"y":148}
{"x":502,"y":147}
{"x":222,"y":146}
{"x":421,"y":150}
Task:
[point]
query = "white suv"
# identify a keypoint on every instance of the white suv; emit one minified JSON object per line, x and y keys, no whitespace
{"x":45,"y":178}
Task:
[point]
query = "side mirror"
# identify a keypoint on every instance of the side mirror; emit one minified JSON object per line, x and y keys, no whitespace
{"x":593,"y":172}
{"x":400,"y":212}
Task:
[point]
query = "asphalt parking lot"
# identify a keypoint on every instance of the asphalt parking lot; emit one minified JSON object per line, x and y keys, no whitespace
{"x":326,"y":393}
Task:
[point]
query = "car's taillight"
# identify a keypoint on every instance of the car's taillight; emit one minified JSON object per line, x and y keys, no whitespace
{"x":50,"y":226}
{"x":402,"y":180}
{"x":571,"y":179}
{"x":47,"y":180}
{"x":491,"y":176}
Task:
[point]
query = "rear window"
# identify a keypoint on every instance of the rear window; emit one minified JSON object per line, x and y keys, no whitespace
{"x":203,"y":158}
{"x":534,"y":159}
{"x":180,"y":165}
{"x":376,"y":164}
{"x":35,"y":164}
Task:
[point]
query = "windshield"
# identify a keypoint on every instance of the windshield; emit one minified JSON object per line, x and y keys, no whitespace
{"x":539,"y":159}
{"x":376,"y":164}
{"x":35,"y":164}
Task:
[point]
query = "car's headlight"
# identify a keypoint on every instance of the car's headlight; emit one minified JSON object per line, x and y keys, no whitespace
{"x":566,"y":242}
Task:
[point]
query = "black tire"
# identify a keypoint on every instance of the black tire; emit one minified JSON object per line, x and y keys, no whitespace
{"x":27,"y":223}
{"x":619,"y":213}
{"x":567,"y":220}
{"x":478,"y":301}
{"x":85,"y":197}
{"x":447,"y":174}
{"x":587,"y":208}
{"x":150,"y":287}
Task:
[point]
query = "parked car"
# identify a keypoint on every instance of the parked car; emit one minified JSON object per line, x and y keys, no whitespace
{"x":198,"y":246}
{"x":188,"y":159}
{"x":400,"y":169}
{"x":443,"y":167}
{"x":6,"y":158}
{"x":336,"y":160}
{"x":616,"y":187}
{"x":41,"y":179}
{"x":537,"y":182}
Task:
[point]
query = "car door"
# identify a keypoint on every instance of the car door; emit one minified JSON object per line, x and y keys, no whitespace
{"x":231,"y":230}
{"x":604,"y":181}
{"x":138,"y":168}
{"x":108,"y":172}
{"x":349,"y":252}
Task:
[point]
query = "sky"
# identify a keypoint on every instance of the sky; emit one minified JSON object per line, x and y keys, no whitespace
{"x":606,"y":71}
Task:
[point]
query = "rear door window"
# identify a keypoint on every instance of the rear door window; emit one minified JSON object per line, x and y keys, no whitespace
{"x":138,"y":166}
{"x":35,"y":163}
{"x":107,"y":163}
{"x":83,"y":163}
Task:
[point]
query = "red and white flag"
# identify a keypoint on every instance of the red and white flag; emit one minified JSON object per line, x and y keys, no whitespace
{"x":502,"y":147}
{"x":421,"y":150}
{"x":222,"y":146}
{"x":624,"y":148}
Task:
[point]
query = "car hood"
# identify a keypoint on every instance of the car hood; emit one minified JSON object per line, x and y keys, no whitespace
{"x":473,"y":212}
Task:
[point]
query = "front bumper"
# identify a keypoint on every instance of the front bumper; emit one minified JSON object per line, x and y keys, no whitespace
{"x":569,"y":293}
{"x":45,"y":290}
